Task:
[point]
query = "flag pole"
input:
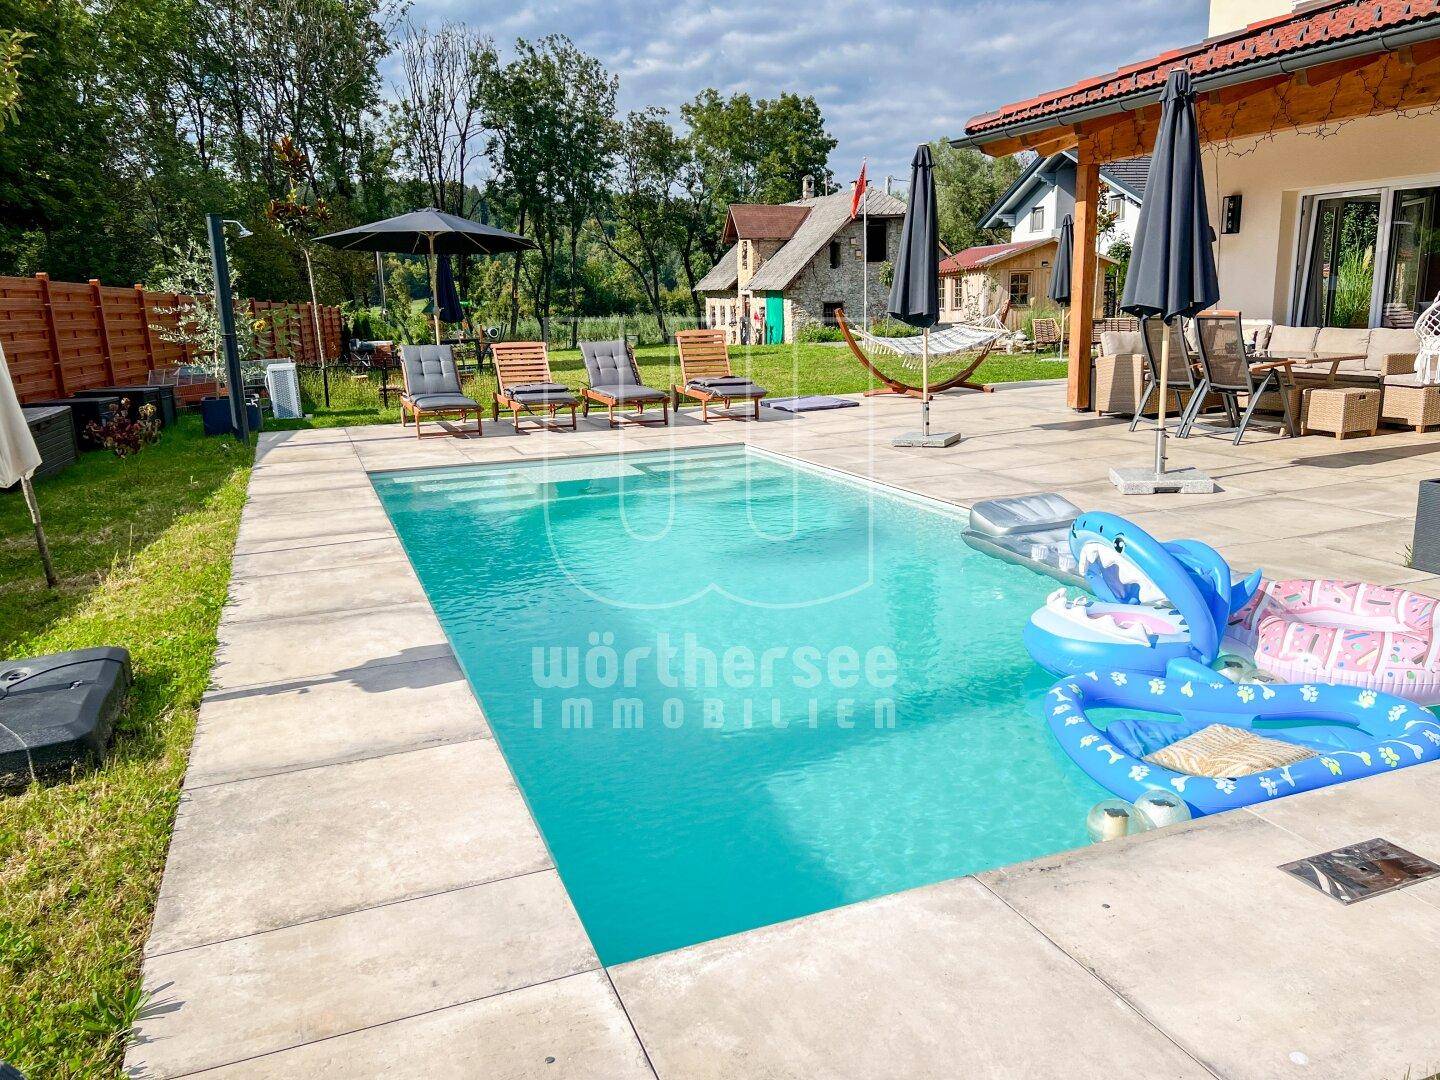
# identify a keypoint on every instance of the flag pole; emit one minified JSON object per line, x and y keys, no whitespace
{"x":864,"y":252}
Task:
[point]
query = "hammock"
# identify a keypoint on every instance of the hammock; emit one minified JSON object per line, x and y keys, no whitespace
{"x":960,"y":340}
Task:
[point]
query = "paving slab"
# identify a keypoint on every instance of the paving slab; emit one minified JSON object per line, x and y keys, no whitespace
{"x":270,"y":453}
{"x":256,"y":995}
{"x":377,"y":583}
{"x":315,"y":556}
{"x":277,"y":466}
{"x":1247,"y":969}
{"x":940,"y":982}
{"x":331,"y":647}
{"x":342,"y":500}
{"x":276,"y":532}
{"x":382,"y":710}
{"x":261,"y":854}
{"x":570,"y":1029}
{"x":286,"y":481}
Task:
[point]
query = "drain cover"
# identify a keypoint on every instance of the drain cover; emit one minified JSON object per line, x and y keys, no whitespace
{"x":1360,"y":871}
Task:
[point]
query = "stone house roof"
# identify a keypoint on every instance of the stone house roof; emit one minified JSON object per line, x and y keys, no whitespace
{"x":828,"y":215}
{"x":762,"y":221}
{"x":723,"y":275}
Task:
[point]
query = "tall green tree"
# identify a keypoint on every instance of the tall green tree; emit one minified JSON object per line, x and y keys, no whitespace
{"x":967,"y":183}
{"x":748,"y":150}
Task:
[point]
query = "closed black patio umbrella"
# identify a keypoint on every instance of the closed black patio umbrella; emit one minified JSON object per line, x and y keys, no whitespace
{"x":427,"y":232}
{"x":1060,"y":273}
{"x":915,"y":292}
{"x":1172,"y":264}
{"x":447,"y":299}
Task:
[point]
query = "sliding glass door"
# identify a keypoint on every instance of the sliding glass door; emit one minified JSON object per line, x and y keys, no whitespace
{"x":1340,"y":277}
{"x":1370,"y":257}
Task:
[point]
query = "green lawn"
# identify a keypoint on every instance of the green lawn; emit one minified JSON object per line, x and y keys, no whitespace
{"x":784,"y":370}
{"x":143,"y":549}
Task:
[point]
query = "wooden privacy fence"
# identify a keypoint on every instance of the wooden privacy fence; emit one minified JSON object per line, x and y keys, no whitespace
{"x":63,"y":336}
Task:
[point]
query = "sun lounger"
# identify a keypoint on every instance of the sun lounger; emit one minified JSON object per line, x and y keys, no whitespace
{"x":522,"y":370}
{"x":614,"y":381}
{"x":705,"y":374}
{"x":432,"y":388}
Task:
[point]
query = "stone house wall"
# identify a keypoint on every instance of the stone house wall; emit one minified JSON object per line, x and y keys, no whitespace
{"x":818,"y":285}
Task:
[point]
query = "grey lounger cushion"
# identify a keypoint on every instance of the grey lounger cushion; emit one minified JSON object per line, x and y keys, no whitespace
{"x":630,"y":392}
{"x":429,"y":369}
{"x":442,"y":401}
{"x":608,"y":363}
{"x":729,"y":386}
{"x":544,"y":395}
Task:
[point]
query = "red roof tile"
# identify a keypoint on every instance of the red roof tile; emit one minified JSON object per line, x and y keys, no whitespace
{"x":1304,"y":29}
{"x":761,"y":221}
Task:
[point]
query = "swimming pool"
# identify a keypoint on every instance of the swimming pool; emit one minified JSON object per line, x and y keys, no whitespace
{"x":736,"y":690}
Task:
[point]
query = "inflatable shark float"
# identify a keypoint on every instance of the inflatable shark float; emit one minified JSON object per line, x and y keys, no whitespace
{"x":1149,"y":638}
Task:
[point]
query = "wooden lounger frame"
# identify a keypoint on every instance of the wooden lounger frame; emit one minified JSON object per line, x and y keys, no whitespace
{"x":590,"y":394}
{"x":521,"y":362}
{"x":895,"y":386}
{"x":705,"y":355}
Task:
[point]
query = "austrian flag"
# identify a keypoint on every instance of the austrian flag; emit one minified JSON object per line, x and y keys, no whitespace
{"x":859,"y":193}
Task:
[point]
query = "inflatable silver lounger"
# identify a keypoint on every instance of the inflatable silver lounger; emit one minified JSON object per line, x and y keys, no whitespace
{"x":1032,"y":530}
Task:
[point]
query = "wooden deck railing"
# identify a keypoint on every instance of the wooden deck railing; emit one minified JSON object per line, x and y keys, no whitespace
{"x":63,"y":336}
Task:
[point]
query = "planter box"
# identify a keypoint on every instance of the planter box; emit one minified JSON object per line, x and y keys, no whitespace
{"x":53,"y":429}
{"x":1425,"y":552}
{"x":215,"y":413}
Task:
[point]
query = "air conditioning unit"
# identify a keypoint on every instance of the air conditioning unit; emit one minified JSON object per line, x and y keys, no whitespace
{"x":283,"y":384}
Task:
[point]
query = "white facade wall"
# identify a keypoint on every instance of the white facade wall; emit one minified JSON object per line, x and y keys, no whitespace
{"x":1257,"y":265}
{"x":1056,"y":203}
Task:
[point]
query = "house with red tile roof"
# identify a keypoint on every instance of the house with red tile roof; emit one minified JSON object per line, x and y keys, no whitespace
{"x":980,"y":280}
{"x":1320,"y":126}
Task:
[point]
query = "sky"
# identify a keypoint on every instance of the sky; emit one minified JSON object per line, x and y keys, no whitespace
{"x":886,"y":75}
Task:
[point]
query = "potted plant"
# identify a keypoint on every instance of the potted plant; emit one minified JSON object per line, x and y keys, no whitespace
{"x":186,"y":275}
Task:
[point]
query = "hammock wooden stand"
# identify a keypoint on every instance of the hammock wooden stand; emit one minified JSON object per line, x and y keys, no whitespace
{"x":895,"y":386}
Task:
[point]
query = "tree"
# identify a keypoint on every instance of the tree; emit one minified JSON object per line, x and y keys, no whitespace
{"x":967,"y":183}
{"x":753,"y":151}
{"x":552,"y":117}
{"x":644,"y":225}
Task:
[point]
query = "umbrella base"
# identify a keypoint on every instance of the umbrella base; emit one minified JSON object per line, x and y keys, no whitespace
{"x":1146,"y":481}
{"x":918,"y":438}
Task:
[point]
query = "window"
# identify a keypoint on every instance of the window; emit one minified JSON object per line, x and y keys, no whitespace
{"x":1037,"y":219}
{"x":1019,"y":290}
{"x":828,"y":316}
{"x":834,"y":254}
{"x":1340,"y":264}
{"x":876,"y":238}
{"x":1117,"y":205}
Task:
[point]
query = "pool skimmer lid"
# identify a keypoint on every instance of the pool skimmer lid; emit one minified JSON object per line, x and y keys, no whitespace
{"x":1360,"y":871}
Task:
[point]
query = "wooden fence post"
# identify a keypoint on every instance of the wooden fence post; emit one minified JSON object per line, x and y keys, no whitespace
{"x":143,"y":305}
{"x":52,"y":334}
{"x":98,"y":300}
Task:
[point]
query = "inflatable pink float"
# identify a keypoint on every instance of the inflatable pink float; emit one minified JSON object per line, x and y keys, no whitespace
{"x":1345,"y":632}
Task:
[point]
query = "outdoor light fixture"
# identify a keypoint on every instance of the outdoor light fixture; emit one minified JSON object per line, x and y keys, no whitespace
{"x":241,"y":232}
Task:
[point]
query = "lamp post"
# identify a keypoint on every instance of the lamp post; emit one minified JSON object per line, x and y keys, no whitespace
{"x":225,"y":309}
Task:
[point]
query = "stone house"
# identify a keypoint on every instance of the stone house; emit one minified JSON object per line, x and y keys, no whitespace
{"x":796,"y":263}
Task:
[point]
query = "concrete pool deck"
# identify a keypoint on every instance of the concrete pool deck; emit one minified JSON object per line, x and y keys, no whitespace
{"x":356,"y":888}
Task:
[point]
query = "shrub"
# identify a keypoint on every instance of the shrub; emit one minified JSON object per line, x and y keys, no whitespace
{"x":124,"y":436}
{"x":812,"y":332}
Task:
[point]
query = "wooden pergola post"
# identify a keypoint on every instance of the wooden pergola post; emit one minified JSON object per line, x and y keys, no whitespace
{"x":1083,"y":272}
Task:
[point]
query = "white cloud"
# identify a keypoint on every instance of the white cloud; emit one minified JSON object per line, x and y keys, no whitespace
{"x":886,"y":77}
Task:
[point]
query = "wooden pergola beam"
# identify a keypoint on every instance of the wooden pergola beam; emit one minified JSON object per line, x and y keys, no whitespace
{"x":1342,"y":90}
{"x":1084,"y":270}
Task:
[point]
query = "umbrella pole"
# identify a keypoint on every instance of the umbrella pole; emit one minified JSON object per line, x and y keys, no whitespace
{"x":434,"y":292}
{"x":1162,"y":389}
{"x":40,"y":541}
{"x":319,"y":337}
{"x":925,"y":381}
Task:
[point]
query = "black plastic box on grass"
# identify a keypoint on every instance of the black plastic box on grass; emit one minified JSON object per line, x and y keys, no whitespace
{"x":162,"y":397}
{"x":84,"y":411}
{"x":59,"y":710}
{"x":53,"y":429}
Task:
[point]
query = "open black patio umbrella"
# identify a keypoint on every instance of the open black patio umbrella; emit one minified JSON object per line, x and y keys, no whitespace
{"x":427,"y":232}
{"x":1060,"y":273}
{"x":915,"y":292}
{"x":1172,"y":264}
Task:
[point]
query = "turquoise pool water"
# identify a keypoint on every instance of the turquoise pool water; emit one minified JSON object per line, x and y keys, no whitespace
{"x":736,"y":691}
